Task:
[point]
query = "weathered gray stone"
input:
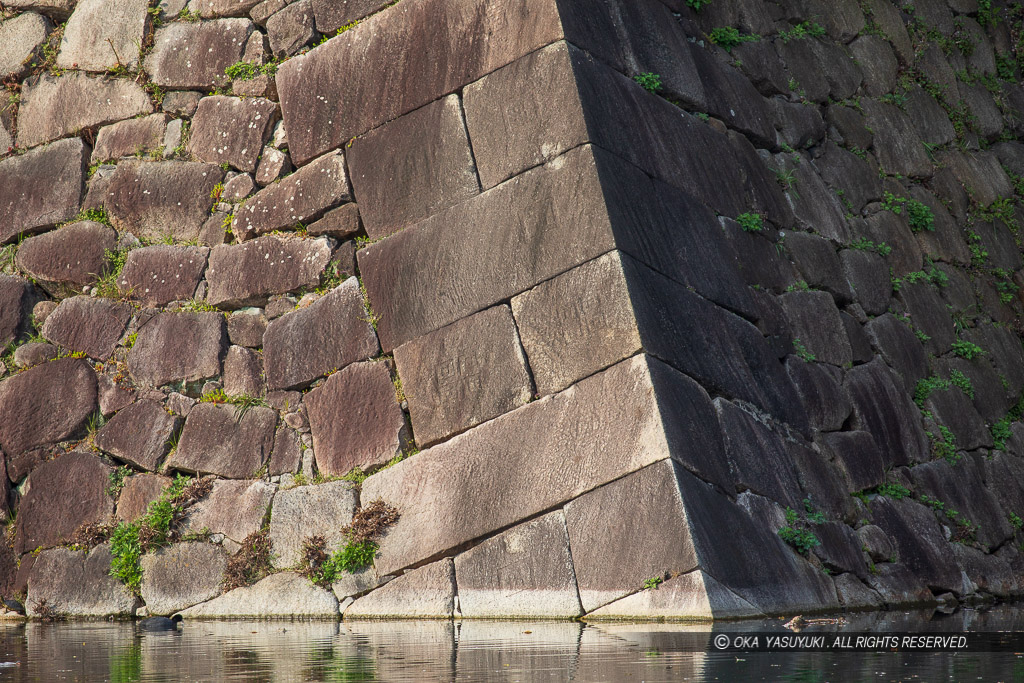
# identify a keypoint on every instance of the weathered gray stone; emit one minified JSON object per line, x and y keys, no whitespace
{"x":274,"y":164}
{"x":74,"y":584}
{"x":181,"y":575}
{"x":182,"y":103}
{"x":63,"y":494}
{"x":30,"y":354}
{"x":301,"y":197}
{"x":83,"y":323}
{"x":826,"y":402}
{"x":195,"y":55}
{"x":980,"y":172}
{"x":287,"y":455}
{"x":424,"y":593}
{"x":160,"y":274}
{"x":247,"y":274}
{"x":694,"y":595}
{"x":855,"y":595}
{"x":217,"y":440}
{"x":330,"y":333}
{"x":962,"y":488}
{"x":320,"y":510}
{"x":857,"y":456}
{"x":330,"y":16}
{"x":243,"y":373}
{"x":868,"y":274}
{"x":279,"y":595}
{"x":758,"y":457}
{"x":849,"y":174}
{"x":233,"y":508}
{"x":442,"y":374}
{"x":231,"y":130}
{"x":46,"y":404}
{"x":222,"y":8}
{"x":41,"y":188}
{"x":919,"y":542}
{"x":133,"y":136}
{"x":175,"y":347}
{"x":238,"y":188}
{"x":397,"y":154}
{"x":139,"y":491}
{"x":616,"y":427}
{"x":885,"y":411}
{"x":291,"y":29}
{"x":139,"y":434}
{"x":523,"y":572}
{"x":349,"y":586}
{"x":16,"y":308}
{"x":816,"y":258}
{"x":161,"y":199}
{"x":899,"y":346}
{"x":876,"y":543}
{"x":355,"y":419}
{"x":66,"y":260}
{"x":20,"y":37}
{"x":55,"y":107}
{"x":56,"y":9}
{"x":577,"y":323}
{"x":815,"y":321}
{"x":246,"y":327}
{"x":878,"y":62}
{"x":101,"y":35}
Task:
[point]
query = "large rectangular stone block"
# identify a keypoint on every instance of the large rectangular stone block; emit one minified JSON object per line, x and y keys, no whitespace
{"x":41,"y":188}
{"x":353,"y":82}
{"x":521,"y":463}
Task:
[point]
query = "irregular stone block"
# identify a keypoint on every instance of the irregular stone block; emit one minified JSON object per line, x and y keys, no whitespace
{"x":16,"y":307}
{"x":694,"y":595}
{"x":162,"y":273}
{"x":868,"y":275}
{"x":897,"y":144}
{"x":857,"y":456}
{"x":248,"y":273}
{"x":980,"y":172}
{"x":301,"y":197}
{"x":56,"y":107}
{"x":233,"y":508}
{"x":20,"y":37}
{"x":195,"y":55}
{"x":239,"y":187}
{"x":900,"y":347}
{"x":161,"y":199}
{"x":231,"y":130}
{"x":133,"y":136}
{"x":355,"y":419}
{"x":523,"y":572}
{"x":815,"y":320}
{"x":330,"y":333}
{"x":330,"y":16}
{"x":57,"y":9}
{"x":27,"y":355}
{"x":217,"y":440}
{"x":246,"y":327}
{"x":67,"y":260}
{"x":305,"y":511}
{"x":74,"y":584}
{"x":274,"y":164}
{"x":441,"y":374}
{"x":101,"y":35}
{"x":83,"y":323}
{"x":920,"y":544}
{"x":885,"y":411}
{"x":826,"y":402}
{"x":63,"y":494}
{"x":341,"y":223}
{"x":287,"y":455}
{"x":208,"y":9}
{"x":243,"y":373}
{"x":41,"y":188}
{"x":139,"y":434}
{"x":577,"y":323}
{"x":181,"y":575}
{"x":46,"y":404}
{"x":816,"y":258}
{"x":397,"y":154}
{"x":175,"y":347}
{"x":291,"y":29}
{"x":279,"y":595}
{"x":139,"y":491}
{"x":182,"y":103}
{"x":424,"y":593}
{"x":758,"y":457}
{"x":617,"y":429}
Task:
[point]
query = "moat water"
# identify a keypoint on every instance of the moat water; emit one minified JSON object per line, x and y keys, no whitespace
{"x":489,"y":651}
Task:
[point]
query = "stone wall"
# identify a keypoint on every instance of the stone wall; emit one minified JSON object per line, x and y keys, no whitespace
{"x":628,"y":309}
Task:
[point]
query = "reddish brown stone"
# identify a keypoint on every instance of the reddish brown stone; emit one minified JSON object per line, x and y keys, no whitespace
{"x":34,"y":353}
{"x":219,"y":439}
{"x":330,"y":15}
{"x":243,"y":373}
{"x":160,"y":274}
{"x":172,"y":347}
{"x":412,"y":167}
{"x":63,"y":494}
{"x":233,"y":508}
{"x":160,"y":199}
{"x":340,"y":223}
{"x":16,"y":307}
{"x":287,"y":451}
{"x":139,"y":434}
{"x":83,"y":323}
{"x":195,"y":55}
{"x":46,"y":404}
{"x":247,"y":274}
{"x":246,"y":328}
{"x":231,"y":130}
{"x":41,"y":188}
{"x":129,"y":137}
{"x":355,"y":419}
{"x":139,"y":491}
{"x":65,"y":260}
{"x":312,"y":341}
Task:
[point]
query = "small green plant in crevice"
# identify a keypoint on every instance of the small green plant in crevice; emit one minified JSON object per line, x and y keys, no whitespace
{"x":115,"y":481}
{"x":1001,"y":431}
{"x":966,"y":529}
{"x":750,"y":222}
{"x":962,"y":382}
{"x":651,"y":82}
{"x":813,"y":516}
{"x":247,"y":71}
{"x":893,"y":491}
{"x":243,"y":402}
{"x":358,"y":551}
{"x":801,"y":539}
{"x":107,"y":283}
{"x":928,"y":386}
{"x":191,"y":17}
{"x":805,"y":29}
{"x":799,"y":286}
{"x":919,"y":215}
{"x":864,"y":244}
{"x":653,"y":583}
{"x":728,"y":37}
{"x":1015,"y":521}
{"x":330,"y":278}
{"x":252,"y":562}
{"x":697,"y":5}
{"x":1004,"y":285}
{"x":944,"y":445}
{"x":802,"y":352}
{"x":966,"y":349}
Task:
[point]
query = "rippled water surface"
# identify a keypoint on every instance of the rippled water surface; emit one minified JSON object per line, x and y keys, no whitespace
{"x":480,"y":651}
